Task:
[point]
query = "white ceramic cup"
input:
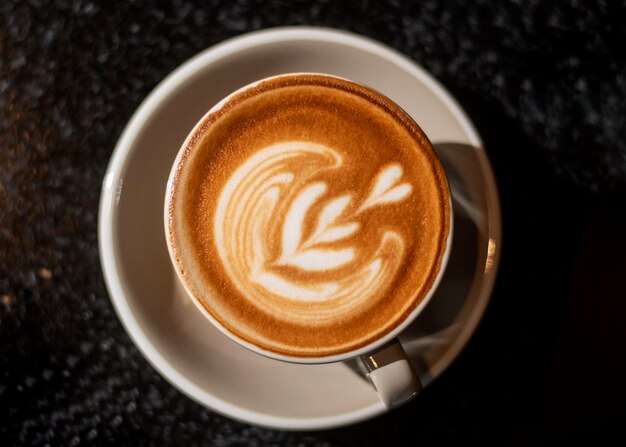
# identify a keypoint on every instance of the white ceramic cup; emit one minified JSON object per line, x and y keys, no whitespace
{"x":383,"y":361}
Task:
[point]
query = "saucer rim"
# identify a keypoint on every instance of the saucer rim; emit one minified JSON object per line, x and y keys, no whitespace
{"x":116,"y":170}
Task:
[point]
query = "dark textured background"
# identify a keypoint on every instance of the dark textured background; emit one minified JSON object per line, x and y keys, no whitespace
{"x":545,"y":83}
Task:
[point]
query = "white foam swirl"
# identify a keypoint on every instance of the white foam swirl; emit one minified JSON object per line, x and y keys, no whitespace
{"x":259,"y":229}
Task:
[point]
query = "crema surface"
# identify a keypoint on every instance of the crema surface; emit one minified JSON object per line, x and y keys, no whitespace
{"x":309,"y":215}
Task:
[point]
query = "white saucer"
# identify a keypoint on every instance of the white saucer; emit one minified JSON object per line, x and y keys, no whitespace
{"x":169,"y":331}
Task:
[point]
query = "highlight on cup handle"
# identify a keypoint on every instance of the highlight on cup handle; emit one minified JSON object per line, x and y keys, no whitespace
{"x":392,"y":375}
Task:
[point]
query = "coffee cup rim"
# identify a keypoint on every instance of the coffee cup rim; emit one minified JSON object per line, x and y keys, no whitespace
{"x":344,"y":356}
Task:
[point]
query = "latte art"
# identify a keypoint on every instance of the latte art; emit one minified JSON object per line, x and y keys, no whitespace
{"x":307,"y":215}
{"x":259,"y":200}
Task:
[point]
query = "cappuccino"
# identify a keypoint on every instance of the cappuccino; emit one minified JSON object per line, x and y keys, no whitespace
{"x":308,"y":215}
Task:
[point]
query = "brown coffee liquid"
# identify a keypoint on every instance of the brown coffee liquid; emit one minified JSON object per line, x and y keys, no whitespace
{"x":309,"y":215}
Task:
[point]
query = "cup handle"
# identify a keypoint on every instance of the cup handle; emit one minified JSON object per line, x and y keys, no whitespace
{"x":392,"y":375}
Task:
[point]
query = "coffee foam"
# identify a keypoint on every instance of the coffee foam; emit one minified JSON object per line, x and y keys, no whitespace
{"x":309,"y":215}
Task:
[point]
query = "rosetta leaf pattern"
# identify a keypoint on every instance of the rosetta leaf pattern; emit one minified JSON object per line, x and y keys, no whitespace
{"x":385,"y":188}
{"x":333,"y":224}
{"x":318,"y":260}
{"x":326,"y":230}
{"x":292,"y":227}
{"x":331,"y":212}
{"x":338,"y":232}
